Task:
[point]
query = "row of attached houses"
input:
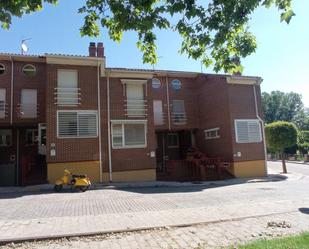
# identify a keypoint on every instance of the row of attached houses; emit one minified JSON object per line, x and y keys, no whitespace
{"x":118,"y":124}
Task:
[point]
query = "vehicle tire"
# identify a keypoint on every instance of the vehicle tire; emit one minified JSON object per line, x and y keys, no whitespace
{"x":58,"y":188}
{"x":83,"y":188}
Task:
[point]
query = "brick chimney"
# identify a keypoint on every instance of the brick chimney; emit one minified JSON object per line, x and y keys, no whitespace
{"x":100,"y":50}
{"x":92,"y":49}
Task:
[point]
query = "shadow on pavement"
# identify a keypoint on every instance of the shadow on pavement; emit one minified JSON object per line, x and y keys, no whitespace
{"x":146,"y":188}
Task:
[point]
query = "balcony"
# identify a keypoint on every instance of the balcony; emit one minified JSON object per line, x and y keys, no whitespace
{"x":179,"y":118}
{"x":27,"y":110}
{"x":3,"y":110}
{"x":67,"y":96}
{"x":135,"y":108}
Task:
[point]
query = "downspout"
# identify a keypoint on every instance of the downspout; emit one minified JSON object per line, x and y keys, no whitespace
{"x":110,"y":167}
{"x":99,"y":122}
{"x":168,"y":104}
{"x":263,"y":130}
{"x":12,"y":89}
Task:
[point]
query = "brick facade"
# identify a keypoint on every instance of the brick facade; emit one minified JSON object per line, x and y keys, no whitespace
{"x":210,"y":102}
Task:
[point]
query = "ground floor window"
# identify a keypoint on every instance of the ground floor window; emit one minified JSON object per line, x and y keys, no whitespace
{"x":248,"y":131}
{"x":77,"y":124}
{"x":212,"y":133}
{"x":128,"y":134}
{"x":5,"y":137}
{"x":172,"y":140}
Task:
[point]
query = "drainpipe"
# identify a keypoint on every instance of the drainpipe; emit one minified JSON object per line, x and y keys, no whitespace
{"x":263,"y":130}
{"x":110,"y":167}
{"x":168,"y":104}
{"x":99,"y":122}
{"x":12,"y":89}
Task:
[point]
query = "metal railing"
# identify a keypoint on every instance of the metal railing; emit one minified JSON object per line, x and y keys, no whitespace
{"x":67,"y":96}
{"x":135,"y":107}
{"x":28,"y":110}
{"x":179,"y":118}
{"x":3,"y":110}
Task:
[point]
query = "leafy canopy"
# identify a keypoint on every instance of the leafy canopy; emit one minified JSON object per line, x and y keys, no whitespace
{"x":280,"y":135}
{"x":280,"y":106}
{"x":215,"y":31}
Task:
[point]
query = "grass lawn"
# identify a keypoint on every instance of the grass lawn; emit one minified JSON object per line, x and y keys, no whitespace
{"x":292,"y":242}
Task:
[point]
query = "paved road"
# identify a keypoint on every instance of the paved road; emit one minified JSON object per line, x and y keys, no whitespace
{"x":291,"y":167}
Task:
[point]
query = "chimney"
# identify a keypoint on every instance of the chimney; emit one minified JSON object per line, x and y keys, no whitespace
{"x":92,"y":49}
{"x":100,"y":50}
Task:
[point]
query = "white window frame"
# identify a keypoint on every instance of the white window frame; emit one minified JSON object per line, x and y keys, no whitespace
{"x":123,"y":122}
{"x":2,"y":66}
{"x":210,"y":130}
{"x":29,"y":70}
{"x":177,"y":136}
{"x":248,"y":120}
{"x":78,"y":112}
{"x":63,"y":91}
{"x":11,"y":134}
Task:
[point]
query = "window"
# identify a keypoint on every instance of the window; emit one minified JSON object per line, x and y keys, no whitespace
{"x":2,"y":69}
{"x":31,"y":136}
{"x":28,"y":107}
{"x":129,"y":135}
{"x":77,"y":124}
{"x":172,"y":140}
{"x":156,"y":83}
{"x":29,"y":70}
{"x":67,"y":89}
{"x":178,"y":112}
{"x":212,"y":133}
{"x":2,"y":103}
{"x":135,"y":99}
{"x":176,"y":84}
{"x":248,"y":131}
{"x":158,"y":112}
{"x":5,"y":137}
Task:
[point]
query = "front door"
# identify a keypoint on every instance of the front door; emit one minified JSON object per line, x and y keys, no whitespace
{"x":32,"y":163}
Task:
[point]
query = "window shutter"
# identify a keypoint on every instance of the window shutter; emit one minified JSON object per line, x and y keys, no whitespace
{"x":67,"y":124}
{"x":87,"y":125}
{"x":248,"y":131}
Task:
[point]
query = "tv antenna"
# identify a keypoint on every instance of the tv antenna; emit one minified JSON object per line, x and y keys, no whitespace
{"x":24,"y":47}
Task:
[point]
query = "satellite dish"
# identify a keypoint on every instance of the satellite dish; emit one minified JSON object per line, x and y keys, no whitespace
{"x":24,"y":47}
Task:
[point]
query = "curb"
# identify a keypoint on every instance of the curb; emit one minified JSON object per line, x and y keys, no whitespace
{"x":128,"y":230}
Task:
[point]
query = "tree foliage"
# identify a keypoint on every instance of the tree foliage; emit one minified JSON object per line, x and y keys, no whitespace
{"x":215,"y":32}
{"x":280,"y":135}
{"x":280,"y":106}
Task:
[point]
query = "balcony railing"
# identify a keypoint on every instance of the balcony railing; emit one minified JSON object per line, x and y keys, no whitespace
{"x":179,"y":118}
{"x":135,"y":108}
{"x":67,"y":96}
{"x":160,"y":118}
{"x":3,"y":110}
{"x":27,"y":110}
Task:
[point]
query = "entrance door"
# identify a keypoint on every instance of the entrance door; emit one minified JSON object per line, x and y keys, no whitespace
{"x":32,"y":164}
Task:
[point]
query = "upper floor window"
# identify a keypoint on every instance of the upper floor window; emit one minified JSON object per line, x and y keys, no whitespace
{"x":2,"y":69}
{"x":135,"y":92}
{"x":2,"y":103}
{"x":176,"y":84}
{"x":5,"y":137}
{"x":67,"y":91}
{"x":178,"y":112}
{"x":28,"y":106}
{"x":29,"y":70}
{"x":77,"y":124}
{"x":248,"y":131}
{"x":156,"y":83}
{"x":212,"y":133}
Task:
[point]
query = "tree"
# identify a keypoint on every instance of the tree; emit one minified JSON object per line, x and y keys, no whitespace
{"x":280,"y":106}
{"x":303,"y":142}
{"x":216,"y":32}
{"x":301,"y":119}
{"x":281,"y":135}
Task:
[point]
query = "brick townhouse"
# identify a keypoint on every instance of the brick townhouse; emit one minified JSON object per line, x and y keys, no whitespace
{"x":118,"y":124}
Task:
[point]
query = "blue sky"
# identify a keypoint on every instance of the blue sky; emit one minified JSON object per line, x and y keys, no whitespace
{"x":281,"y":58}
